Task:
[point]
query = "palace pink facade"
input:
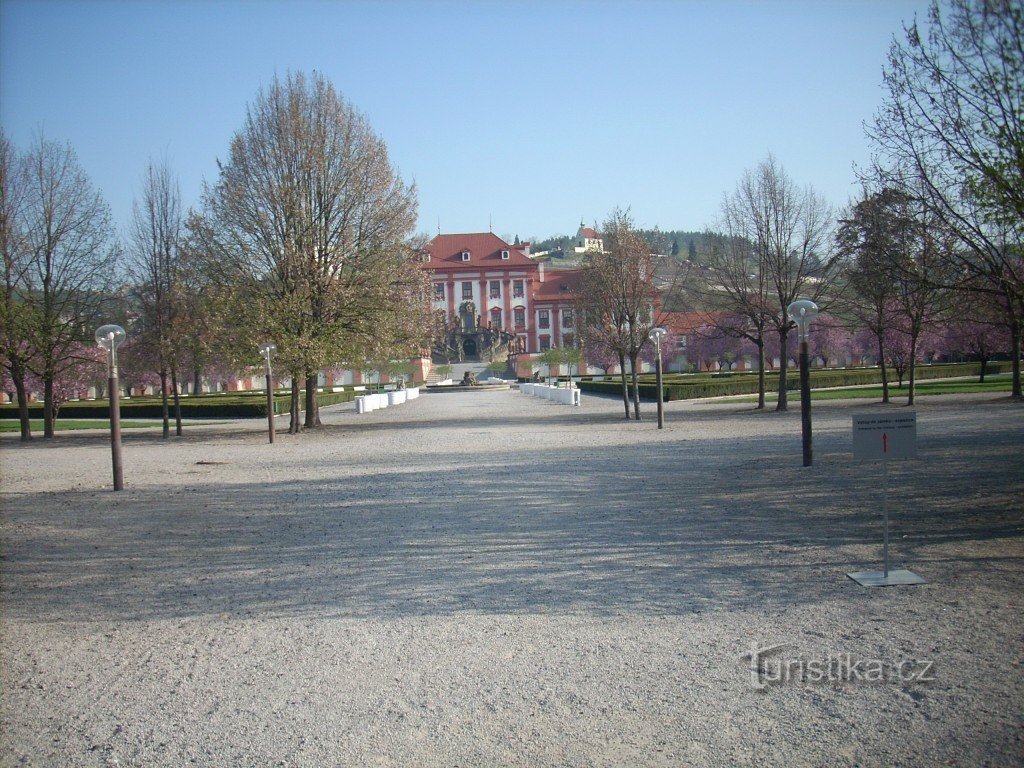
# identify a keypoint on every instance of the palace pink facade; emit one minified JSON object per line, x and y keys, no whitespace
{"x":483,"y":285}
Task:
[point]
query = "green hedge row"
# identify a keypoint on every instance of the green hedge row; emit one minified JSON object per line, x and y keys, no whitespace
{"x":689,"y":387}
{"x":241,"y":405}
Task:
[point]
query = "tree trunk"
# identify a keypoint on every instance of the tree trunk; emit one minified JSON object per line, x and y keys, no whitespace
{"x":164,"y":411}
{"x":312,"y":407}
{"x":177,"y":401}
{"x":197,"y":382}
{"x":633,"y":360}
{"x":984,"y":366}
{"x":881,"y":365}
{"x":913,"y":370}
{"x":48,"y":417}
{"x":625,"y":386}
{"x":23,"y":416}
{"x":1015,"y":334}
{"x":783,"y":402}
{"x":760,"y":373}
{"x":295,"y":424}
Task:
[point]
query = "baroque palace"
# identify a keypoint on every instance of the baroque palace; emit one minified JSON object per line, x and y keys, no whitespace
{"x":492,"y":299}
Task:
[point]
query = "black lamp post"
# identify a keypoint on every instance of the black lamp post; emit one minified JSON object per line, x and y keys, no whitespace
{"x":656,"y":335}
{"x":801,"y":312}
{"x":266,"y":350}
{"x":110,"y":337}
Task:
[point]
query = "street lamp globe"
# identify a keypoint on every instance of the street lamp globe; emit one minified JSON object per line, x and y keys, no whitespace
{"x":801,"y":312}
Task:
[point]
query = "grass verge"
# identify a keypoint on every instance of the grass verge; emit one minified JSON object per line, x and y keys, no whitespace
{"x":70,"y":425}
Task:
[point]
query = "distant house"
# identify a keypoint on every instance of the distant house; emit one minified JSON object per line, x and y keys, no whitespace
{"x":587,"y":239}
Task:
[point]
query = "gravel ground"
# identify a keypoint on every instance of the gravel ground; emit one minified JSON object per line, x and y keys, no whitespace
{"x":489,"y":579}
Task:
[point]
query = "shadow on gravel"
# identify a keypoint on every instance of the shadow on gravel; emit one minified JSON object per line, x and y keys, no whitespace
{"x":676,"y":527}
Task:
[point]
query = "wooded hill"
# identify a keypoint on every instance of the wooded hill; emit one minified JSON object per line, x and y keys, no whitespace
{"x":674,"y":242}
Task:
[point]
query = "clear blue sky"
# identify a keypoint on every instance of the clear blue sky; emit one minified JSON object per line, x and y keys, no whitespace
{"x":527,"y":115}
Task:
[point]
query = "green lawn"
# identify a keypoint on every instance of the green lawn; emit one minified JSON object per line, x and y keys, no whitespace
{"x":993,"y":383}
{"x":67,"y":425}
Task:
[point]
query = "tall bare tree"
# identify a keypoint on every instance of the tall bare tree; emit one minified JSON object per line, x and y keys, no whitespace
{"x":616,"y":302}
{"x":155,"y":237}
{"x":731,"y":287}
{"x":15,"y":312}
{"x":953,"y":122}
{"x":866,"y":238}
{"x":314,"y":218}
{"x":899,"y":262}
{"x":71,"y":255}
{"x":790,"y":229}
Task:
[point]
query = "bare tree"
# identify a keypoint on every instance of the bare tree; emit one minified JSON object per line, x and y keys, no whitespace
{"x":732,"y":289}
{"x":953,"y":122}
{"x":15,"y":313}
{"x":616,"y":301}
{"x":155,"y":236}
{"x":71,"y":256}
{"x":899,"y":263}
{"x":865,"y":237}
{"x":313,"y":218}
{"x":790,"y":229}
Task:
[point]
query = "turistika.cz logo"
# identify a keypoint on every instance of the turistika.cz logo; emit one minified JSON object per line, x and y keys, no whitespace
{"x":768,"y":667}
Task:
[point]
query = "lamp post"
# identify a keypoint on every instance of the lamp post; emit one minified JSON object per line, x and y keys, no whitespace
{"x":801,"y":312}
{"x":266,"y":350}
{"x":656,"y":335}
{"x":110,"y":337}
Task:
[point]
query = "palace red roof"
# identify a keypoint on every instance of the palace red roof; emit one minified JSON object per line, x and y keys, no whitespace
{"x":484,"y":248}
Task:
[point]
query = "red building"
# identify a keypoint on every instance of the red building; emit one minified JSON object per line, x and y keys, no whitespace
{"x":493,"y":298}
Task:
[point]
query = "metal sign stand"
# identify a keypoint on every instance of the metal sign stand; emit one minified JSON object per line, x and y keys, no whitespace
{"x":884,"y":438}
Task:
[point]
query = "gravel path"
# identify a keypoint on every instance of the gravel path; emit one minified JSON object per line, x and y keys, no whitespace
{"x":488,"y":579}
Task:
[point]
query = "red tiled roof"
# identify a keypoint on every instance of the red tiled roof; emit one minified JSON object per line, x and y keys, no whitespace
{"x":588,"y":233}
{"x":484,"y":248}
{"x":558,"y":285}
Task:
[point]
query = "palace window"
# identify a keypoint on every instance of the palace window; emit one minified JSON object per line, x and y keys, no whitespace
{"x":465,"y":255}
{"x":543,"y":319}
{"x":504,"y":254}
{"x":496,"y":317}
{"x":567,"y":318}
{"x":439,"y":291}
{"x":467,"y":290}
{"x":545,"y":343}
{"x":495,"y":289}
{"x":520,"y":317}
{"x":517,"y":289}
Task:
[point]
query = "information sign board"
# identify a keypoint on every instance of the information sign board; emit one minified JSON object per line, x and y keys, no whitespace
{"x":884,"y":436}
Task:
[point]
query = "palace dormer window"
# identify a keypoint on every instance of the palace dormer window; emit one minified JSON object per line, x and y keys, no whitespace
{"x":504,"y":254}
{"x":465,"y":255}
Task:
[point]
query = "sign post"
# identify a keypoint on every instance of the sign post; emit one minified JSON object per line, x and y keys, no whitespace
{"x":885,"y":437}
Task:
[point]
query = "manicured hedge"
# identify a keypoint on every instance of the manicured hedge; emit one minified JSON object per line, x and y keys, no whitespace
{"x":692,"y":386}
{"x":236,"y":405}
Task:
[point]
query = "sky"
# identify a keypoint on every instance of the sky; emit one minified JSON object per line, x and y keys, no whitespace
{"x":518,"y":117}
